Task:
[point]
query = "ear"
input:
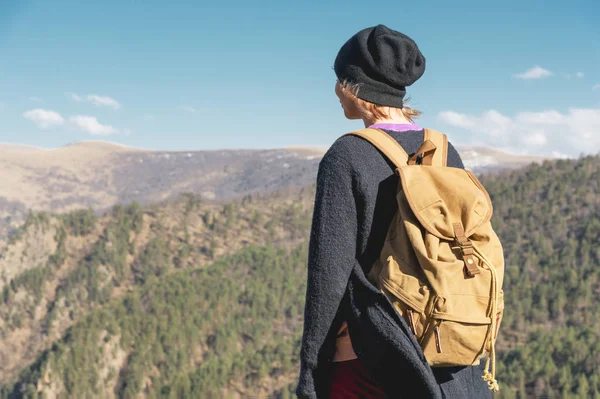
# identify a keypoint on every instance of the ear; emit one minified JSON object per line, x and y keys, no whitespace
{"x":351,"y":110}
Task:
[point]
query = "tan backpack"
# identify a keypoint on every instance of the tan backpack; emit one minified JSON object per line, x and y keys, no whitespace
{"x":442,"y":264}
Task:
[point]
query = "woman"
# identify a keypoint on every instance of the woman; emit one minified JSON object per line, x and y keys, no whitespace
{"x":354,"y":344}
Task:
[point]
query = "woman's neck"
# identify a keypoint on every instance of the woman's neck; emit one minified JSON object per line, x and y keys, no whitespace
{"x":400,"y":119}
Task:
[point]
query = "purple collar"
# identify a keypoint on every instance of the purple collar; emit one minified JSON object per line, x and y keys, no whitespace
{"x":397,"y":127}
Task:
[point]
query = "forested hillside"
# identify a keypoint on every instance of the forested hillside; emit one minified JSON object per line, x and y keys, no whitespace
{"x":61,"y":269}
{"x":548,"y":217}
{"x":189,"y":299}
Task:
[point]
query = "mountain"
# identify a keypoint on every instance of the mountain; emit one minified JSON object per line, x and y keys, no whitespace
{"x":98,"y":174}
{"x":188,"y":298}
{"x":488,"y":160}
{"x":61,"y":269}
{"x":548,"y":218}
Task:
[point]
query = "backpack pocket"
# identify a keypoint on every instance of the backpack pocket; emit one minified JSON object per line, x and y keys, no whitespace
{"x":452,"y":329}
{"x":407,"y":292}
{"x":457,"y":333}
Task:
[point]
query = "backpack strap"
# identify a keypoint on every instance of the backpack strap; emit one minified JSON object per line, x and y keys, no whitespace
{"x":440,"y":141}
{"x":385,"y":143}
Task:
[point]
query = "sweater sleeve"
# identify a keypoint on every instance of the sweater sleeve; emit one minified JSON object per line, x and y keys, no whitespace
{"x":454,"y":158}
{"x":332,"y":252}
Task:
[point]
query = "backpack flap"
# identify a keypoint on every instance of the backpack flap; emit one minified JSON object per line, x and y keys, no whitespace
{"x":440,"y":197}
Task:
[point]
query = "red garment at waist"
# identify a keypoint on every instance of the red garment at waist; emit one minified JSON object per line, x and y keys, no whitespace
{"x":350,"y":379}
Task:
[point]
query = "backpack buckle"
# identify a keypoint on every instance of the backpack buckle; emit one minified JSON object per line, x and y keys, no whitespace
{"x":466,"y":249}
{"x":469,"y":259}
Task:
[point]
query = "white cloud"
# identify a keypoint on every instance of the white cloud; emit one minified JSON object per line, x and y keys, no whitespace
{"x":456,"y":119}
{"x":535,"y":139}
{"x":596,"y":87}
{"x":496,"y":123}
{"x":536,"y":72}
{"x":44,"y":118}
{"x":127,"y":132}
{"x":36,"y":99}
{"x":577,"y":75}
{"x":96,"y":100}
{"x":546,"y":132}
{"x":550,"y":117}
{"x":74,"y":97}
{"x":149,"y":117}
{"x":103,"y":101}
{"x":188,"y":108}
{"x":91,"y":125}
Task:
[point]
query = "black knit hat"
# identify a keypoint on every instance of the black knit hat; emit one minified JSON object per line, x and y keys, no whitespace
{"x":383,"y":62}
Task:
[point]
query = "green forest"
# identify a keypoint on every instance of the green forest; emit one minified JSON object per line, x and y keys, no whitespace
{"x":548,"y":218}
{"x":192,"y":332}
{"x":200,"y":300}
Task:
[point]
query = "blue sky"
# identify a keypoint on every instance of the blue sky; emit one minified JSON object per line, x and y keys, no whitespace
{"x":200,"y":75}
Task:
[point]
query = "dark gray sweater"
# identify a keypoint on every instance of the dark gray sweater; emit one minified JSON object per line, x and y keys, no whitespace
{"x":354,"y":205}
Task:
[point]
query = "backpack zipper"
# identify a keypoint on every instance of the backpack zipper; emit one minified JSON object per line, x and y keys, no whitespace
{"x":411,"y":321}
{"x":438,"y":341}
{"x":427,"y":328}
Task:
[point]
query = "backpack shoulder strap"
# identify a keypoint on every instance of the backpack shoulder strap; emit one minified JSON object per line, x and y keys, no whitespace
{"x":440,"y":156}
{"x":385,"y":143}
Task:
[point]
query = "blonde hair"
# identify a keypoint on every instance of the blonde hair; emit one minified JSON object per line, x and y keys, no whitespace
{"x":374,"y":111}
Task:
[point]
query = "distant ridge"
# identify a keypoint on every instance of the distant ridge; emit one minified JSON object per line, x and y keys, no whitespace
{"x":118,"y":146}
{"x":465,"y":150}
{"x":99,"y":174}
{"x":484,"y":159}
